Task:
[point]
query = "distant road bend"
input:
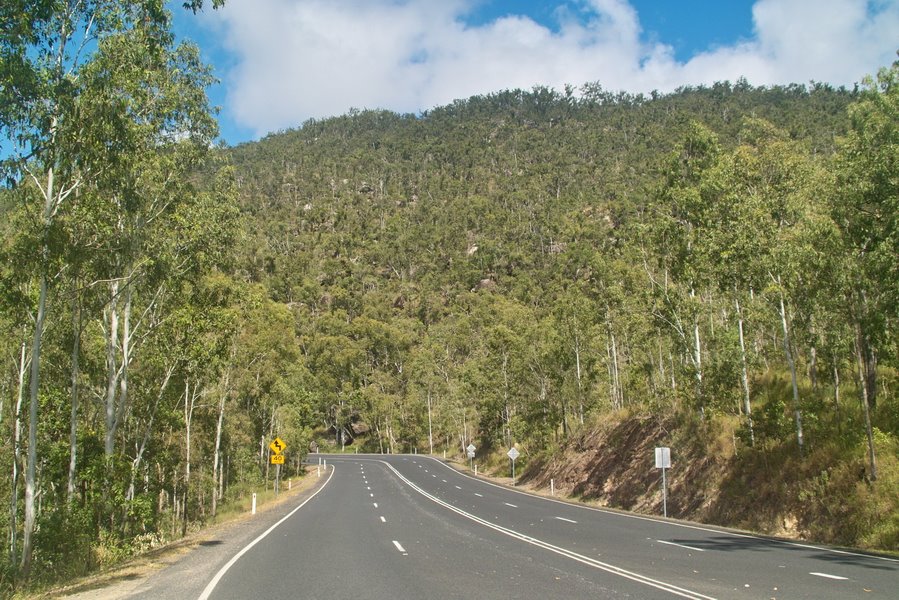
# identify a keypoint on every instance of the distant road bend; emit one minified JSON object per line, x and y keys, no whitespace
{"x":409,"y":526}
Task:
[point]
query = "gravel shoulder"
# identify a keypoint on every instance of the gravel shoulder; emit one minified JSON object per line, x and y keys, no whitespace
{"x":181,"y":569}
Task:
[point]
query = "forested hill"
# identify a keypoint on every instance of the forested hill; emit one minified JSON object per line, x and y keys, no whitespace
{"x":513,"y":268}
{"x":518,"y":188}
{"x":716,"y":270}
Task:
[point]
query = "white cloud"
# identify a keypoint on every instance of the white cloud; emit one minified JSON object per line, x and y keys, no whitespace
{"x":296,"y":59}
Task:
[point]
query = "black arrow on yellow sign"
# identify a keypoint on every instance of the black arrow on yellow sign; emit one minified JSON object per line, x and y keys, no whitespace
{"x":278,"y":446}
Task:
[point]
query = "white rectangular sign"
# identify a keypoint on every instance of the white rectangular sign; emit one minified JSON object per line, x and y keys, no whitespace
{"x":663,"y":458}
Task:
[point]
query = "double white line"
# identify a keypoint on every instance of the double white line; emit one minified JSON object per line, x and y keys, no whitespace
{"x":592,"y":562}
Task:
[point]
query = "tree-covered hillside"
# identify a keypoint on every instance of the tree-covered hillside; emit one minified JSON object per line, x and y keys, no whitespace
{"x":527,"y":268}
{"x":512,"y":267}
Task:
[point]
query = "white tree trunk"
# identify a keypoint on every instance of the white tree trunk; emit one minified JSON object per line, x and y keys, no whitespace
{"x":697,"y":358}
{"x":30,"y":514}
{"x":216,"y":459}
{"x":17,"y":457}
{"x":111,"y":316}
{"x":138,"y":458}
{"x":747,"y":407}
{"x":577,"y":367}
{"x":797,"y":412}
{"x":616,"y":377}
{"x":430,"y":430}
{"x":190,"y":399}
{"x":73,"y":418}
{"x":836,"y":394}
{"x":862,"y":381}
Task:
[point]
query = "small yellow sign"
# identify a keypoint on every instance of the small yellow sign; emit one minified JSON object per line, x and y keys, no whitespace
{"x":278,"y":446}
{"x":277,"y":459}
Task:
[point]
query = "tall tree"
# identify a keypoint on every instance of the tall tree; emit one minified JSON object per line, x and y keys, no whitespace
{"x":76,"y":75}
{"x":866,"y":207}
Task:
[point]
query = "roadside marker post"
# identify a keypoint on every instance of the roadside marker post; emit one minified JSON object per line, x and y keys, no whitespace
{"x":552,"y":487}
{"x":663,"y":461}
{"x":253,"y":509}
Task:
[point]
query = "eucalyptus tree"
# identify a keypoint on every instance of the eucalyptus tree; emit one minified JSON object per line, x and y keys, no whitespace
{"x":775,"y":177}
{"x":865,"y":203}
{"x":89,"y":88}
{"x":677,"y":233}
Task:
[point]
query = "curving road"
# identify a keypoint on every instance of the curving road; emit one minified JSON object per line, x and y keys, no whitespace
{"x":401,"y":526}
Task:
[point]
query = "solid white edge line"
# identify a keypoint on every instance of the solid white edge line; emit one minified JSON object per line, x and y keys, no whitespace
{"x":633,"y":576}
{"x":829,"y":576}
{"x":399,"y":546}
{"x":679,"y":545}
{"x":221,"y":573}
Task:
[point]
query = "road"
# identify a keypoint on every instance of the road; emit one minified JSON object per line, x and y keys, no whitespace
{"x":387,"y":527}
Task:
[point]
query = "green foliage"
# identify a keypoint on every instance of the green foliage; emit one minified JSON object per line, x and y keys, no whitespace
{"x":505,"y":270}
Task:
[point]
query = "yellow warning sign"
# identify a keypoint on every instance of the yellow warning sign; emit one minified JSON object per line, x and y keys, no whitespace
{"x":277,"y":459}
{"x":278,"y":446}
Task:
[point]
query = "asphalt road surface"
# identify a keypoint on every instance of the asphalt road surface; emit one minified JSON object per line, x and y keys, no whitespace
{"x":401,"y":526}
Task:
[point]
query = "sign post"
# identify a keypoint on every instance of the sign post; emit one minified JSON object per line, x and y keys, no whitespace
{"x":470,"y":451}
{"x":663,"y":461}
{"x":278,"y":446}
{"x":513,"y":454}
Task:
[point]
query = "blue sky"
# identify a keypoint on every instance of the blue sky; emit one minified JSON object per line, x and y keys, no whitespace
{"x":282,"y":62}
{"x":690,"y":26}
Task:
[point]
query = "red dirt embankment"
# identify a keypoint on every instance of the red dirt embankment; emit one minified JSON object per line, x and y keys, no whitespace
{"x":613,"y":464}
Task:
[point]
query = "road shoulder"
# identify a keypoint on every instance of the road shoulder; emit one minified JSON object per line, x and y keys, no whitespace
{"x":187,"y":562}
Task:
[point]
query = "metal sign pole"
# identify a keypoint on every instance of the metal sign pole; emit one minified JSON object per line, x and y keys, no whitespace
{"x":664,"y":494}
{"x":513,"y":454}
{"x":663,"y":461}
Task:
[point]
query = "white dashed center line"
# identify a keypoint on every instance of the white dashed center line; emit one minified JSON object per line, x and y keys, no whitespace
{"x":512,"y":505}
{"x":566,"y":520}
{"x":828,"y":576}
{"x":479,"y":495}
{"x":375,"y":504}
{"x":680,"y":546}
{"x":399,"y":547}
{"x":383,"y":520}
{"x":458,"y":488}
